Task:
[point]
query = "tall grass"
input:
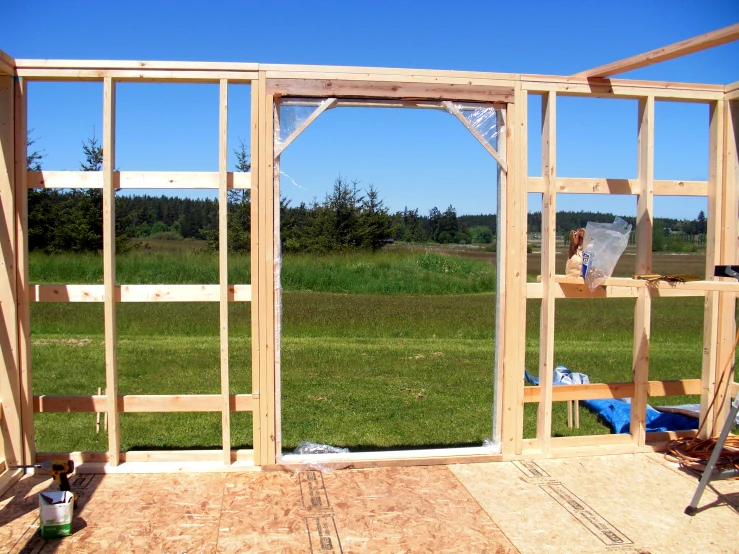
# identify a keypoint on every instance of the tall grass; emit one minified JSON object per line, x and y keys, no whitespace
{"x":392,"y":272}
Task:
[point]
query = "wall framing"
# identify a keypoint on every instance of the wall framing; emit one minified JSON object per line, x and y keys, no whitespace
{"x":270,"y":84}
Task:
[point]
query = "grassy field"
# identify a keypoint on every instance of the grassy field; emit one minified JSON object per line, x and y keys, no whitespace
{"x":386,"y":351}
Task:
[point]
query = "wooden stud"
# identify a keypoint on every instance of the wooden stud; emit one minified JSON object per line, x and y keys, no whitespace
{"x":11,"y":431}
{"x":281,"y":145}
{"x":223,"y":265}
{"x":500,"y":242}
{"x":22,"y":281}
{"x":452,"y":109}
{"x":265,"y":267}
{"x":514,"y":313}
{"x":728,"y":256}
{"x":277,"y":269}
{"x":548,"y":253}
{"x":682,"y":48}
{"x":643,"y":309}
{"x":257,"y":91}
{"x":111,"y":346}
{"x":713,"y":255}
{"x":138,"y":293}
{"x":270,"y":260}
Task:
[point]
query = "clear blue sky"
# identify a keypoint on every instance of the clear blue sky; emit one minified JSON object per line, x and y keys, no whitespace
{"x":417,"y":158}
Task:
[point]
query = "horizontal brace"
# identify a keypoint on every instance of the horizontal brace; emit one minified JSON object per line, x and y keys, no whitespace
{"x":581,"y":290}
{"x":733,"y":95}
{"x":594,"y":391}
{"x":379,"y":103}
{"x":154,"y":461}
{"x":662,"y":286}
{"x":136,"y":75}
{"x":138,"y":293}
{"x":330,"y":88}
{"x":576,"y":185}
{"x":136,"y":180}
{"x":135,"y":65}
{"x":621,"y":88}
{"x":590,"y":440}
{"x":386,"y":74}
{"x":149,"y":403}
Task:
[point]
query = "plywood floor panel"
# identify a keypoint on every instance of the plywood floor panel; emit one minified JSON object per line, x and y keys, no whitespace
{"x":380,"y":510}
{"x":598,"y":504}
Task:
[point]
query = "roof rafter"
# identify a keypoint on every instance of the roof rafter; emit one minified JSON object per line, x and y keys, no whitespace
{"x":682,"y":48}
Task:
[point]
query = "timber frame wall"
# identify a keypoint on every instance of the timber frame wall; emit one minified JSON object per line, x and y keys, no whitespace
{"x":272,"y":84}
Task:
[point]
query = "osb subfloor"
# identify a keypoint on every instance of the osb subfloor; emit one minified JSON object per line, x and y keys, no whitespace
{"x":621,"y":504}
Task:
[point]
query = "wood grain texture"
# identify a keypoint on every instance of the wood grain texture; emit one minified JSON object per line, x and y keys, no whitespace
{"x":672,"y":51}
{"x":343,"y":88}
{"x":111,"y":346}
{"x":137,"y":180}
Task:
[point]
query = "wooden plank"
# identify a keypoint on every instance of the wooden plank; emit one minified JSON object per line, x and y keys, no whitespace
{"x":22,"y":280}
{"x":343,"y":88}
{"x":515,"y":275}
{"x":500,"y":271}
{"x":9,"y":478}
{"x":256,"y":94}
{"x":672,"y":51}
{"x":111,"y":346}
{"x":135,"y":75}
{"x":734,"y":389}
{"x":138,"y":293}
{"x":643,"y":309}
{"x":667,"y":436}
{"x":548,"y":254}
{"x":223,"y":265}
{"x":325,"y":105}
{"x":733,"y":95}
{"x":265,"y":265}
{"x":729,"y":182}
{"x":277,"y":274}
{"x":452,"y":109}
{"x":136,"y":65}
{"x":622,"y":88}
{"x":378,"y":73}
{"x":136,"y":180}
{"x":590,"y":440}
{"x":581,"y":290}
{"x":136,"y":403}
{"x":11,"y":435}
{"x":592,"y":391}
{"x":713,"y":255}
{"x":570,"y":185}
{"x":268,"y":216}
{"x":5,"y":69}
{"x":678,"y":387}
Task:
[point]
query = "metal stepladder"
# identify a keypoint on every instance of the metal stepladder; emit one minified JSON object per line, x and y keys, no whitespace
{"x":708,"y":474}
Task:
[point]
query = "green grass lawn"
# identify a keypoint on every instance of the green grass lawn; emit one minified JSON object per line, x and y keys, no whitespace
{"x":378,"y":352}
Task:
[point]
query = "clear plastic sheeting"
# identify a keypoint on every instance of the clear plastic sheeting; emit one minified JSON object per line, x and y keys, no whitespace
{"x":312,"y":448}
{"x":482,"y":121}
{"x":295,"y":116}
{"x":305,"y":447}
{"x":492,"y":444}
{"x":485,"y":120}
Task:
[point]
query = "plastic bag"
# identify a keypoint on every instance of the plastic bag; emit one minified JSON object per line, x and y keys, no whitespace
{"x":603,"y":245}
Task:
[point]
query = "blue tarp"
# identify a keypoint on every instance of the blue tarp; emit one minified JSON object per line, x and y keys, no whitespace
{"x":617,"y":412}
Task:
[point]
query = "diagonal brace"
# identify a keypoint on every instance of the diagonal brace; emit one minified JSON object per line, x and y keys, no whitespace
{"x":325,"y":105}
{"x":452,"y":109}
